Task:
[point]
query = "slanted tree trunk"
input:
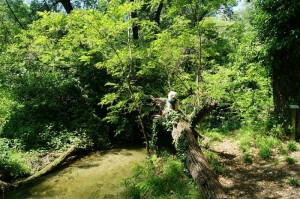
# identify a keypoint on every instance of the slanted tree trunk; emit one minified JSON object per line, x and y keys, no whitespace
{"x":188,"y":150}
{"x":205,"y":179}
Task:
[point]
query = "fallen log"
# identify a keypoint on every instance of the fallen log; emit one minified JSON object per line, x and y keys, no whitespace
{"x":57,"y":162}
{"x":184,"y":137}
{"x":202,"y":174}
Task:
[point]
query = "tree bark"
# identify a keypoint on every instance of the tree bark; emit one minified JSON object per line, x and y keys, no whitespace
{"x":202,"y":174}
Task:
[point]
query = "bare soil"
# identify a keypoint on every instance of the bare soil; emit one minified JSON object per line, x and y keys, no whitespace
{"x":261,"y":179}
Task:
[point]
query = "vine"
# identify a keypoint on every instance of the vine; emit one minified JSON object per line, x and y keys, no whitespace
{"x":181,"y":146}
{"x":161,"y":131}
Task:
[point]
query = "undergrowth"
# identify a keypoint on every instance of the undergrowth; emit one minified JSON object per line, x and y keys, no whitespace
{"x":12,"y":161}
{"x":214,"y":161}
{"x":163,"y":177}
{"x":293,"y":181}
{"x":255,"y":144}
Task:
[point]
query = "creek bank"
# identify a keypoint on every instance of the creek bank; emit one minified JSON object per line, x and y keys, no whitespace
{"x":96,"y":175}
{"x":44,"y":163}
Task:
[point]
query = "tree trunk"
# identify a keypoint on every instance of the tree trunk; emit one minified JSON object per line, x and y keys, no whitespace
{"x":135,"y":28}
{"x":188,"y":150}
{"x":204,"y":177}
{"x":67,"y":5}
{"x":158,"y":12}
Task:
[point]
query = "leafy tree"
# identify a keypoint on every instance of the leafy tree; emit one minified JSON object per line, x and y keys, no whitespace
{"x":50,"y":85}
{"x":279,"y":28}
{"x":234,"y":75}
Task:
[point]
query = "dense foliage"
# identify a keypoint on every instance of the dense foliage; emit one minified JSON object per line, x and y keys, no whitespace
{"x":83,"y":74}
{"x":279,"y":29}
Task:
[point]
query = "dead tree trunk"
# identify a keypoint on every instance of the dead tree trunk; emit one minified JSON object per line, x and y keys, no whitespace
{"x":188,"y":150}
{"x":63,"y":158}
{"x":57,"y":162}
{"x":205,"y":179}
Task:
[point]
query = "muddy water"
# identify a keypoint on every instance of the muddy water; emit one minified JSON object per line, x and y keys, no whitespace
{"x":95,"y":176}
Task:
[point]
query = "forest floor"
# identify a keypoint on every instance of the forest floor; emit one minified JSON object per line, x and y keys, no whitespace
{"x":261,"y":179}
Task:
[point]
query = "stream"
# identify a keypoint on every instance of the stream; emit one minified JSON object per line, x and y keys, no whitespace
{"x":97,"y":175}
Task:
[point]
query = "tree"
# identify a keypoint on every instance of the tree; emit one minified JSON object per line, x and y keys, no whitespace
{"x":48,"y":83}
{"x":279,"y":29}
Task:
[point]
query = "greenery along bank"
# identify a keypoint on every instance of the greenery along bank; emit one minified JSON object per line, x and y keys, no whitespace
{"x":81,"y":73}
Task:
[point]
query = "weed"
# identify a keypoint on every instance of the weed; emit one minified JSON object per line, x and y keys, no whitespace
{"x":283,"y":151}
{"x":247,"y":158}
{"x":213,"y":160}
{"x":276,"y":161}
{"x":293,"y":182}
{"x":265,"y":152}
{"x":292,"y":146}
{"x":266,"y":144}
{"x":12,"y":162}
{"x":246,"y":138}
{"x":290,"y":160}
{"x":244,"y":146}
{"x":214,"y":137}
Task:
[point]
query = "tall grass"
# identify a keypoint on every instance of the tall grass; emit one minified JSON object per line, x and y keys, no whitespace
{"x":160,"y":178}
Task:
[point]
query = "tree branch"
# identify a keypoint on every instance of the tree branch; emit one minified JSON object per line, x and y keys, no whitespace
{"x":200,"y":113}
{"x":15,"y":17}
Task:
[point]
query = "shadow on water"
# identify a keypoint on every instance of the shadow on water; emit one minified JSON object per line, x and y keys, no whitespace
{"x":97,"y":175}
